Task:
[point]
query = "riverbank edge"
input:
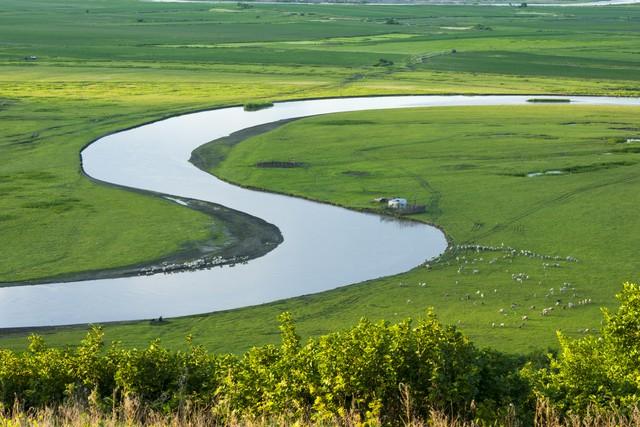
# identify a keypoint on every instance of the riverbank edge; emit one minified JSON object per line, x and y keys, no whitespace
{"x":248,"y":237}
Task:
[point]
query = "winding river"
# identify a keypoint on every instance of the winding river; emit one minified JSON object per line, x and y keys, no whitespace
{"x":324,"y":246}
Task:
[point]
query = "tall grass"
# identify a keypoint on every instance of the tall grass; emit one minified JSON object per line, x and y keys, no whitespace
{"x":132,"y":413}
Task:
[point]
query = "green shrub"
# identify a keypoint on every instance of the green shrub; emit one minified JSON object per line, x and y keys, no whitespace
{"x":373,"y":371}
{"x":597,"y":373}
{"x":258,"y":105}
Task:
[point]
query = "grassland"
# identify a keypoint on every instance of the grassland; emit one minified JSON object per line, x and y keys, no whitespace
{"x":550,"y":181}
{"x":102,"y":66}
{"x":470,"y":166}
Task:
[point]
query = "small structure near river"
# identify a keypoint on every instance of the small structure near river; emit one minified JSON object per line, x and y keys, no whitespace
{"x":400,"y":205}
{"x":397,"y":203}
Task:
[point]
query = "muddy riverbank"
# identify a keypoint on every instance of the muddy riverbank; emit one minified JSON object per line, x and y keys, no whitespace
{"x":245,"y":237}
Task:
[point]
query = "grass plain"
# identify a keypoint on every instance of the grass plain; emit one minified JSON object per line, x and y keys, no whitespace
{"x":103,"y":66}
{"x":552,"y":181}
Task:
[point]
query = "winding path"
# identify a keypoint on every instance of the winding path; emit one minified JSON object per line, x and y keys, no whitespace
{"x":324,"y":246}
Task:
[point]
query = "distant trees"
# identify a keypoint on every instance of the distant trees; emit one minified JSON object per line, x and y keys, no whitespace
{"x":482,"y":27}
{"x":382,"y":62}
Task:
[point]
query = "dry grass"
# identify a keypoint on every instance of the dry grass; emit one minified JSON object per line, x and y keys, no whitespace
{"x":130,"y":413}
{"x":547,"y":416}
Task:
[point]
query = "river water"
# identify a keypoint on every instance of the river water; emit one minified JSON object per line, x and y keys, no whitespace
{"x":324,"y":246}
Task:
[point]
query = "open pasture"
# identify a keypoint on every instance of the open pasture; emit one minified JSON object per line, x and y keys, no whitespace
{"x":537,"y":201}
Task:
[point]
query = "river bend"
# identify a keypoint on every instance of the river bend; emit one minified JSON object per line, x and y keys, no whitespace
{"x":324,"y":246}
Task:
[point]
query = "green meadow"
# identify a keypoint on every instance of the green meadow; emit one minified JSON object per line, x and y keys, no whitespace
{"x":100,"y":66}
{"x":546,"y":191}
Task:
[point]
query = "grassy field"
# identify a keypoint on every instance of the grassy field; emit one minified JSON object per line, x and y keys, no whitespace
{"x":550,"y":181}
{"x":101,"y":66}
{"x":469,"y":166}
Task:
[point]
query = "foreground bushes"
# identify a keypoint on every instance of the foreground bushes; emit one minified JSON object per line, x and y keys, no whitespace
{"x":372,"y":373}
{"x":597,"y":373}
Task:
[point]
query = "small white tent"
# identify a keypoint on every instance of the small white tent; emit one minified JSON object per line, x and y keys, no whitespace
{"x":397,"y":203}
